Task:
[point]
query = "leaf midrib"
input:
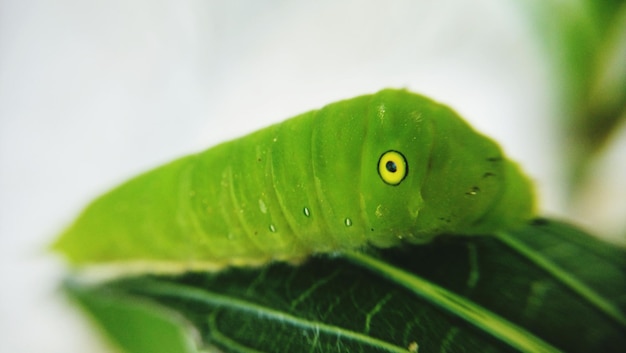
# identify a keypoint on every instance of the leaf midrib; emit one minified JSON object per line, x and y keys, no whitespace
{"x":458,"y":306}
{"x":564,"y":277}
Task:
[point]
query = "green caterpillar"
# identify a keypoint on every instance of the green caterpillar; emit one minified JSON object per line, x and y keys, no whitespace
{"x":373,"y":170}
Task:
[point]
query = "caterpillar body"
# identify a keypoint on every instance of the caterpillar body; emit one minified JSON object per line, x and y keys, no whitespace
{"x":374,"y":170}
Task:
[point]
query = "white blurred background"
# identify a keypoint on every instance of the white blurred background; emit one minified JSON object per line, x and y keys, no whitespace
{"x":93,"y":92}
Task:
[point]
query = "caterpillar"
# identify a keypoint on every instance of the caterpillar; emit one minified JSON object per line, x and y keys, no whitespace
{"x":375,"y":170}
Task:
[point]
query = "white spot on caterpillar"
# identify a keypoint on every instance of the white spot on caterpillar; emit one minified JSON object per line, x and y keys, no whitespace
{"x":262,"y":206}
{"x":381,"y":112}
{"x":307,"y":212}
{"x":379,"y":211}
{"x":348,"y":222}
{"x":272,"y":228}
{"x":473,"y":191}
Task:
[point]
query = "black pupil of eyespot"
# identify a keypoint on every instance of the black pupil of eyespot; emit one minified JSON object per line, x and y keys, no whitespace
{"x":391,"y":166}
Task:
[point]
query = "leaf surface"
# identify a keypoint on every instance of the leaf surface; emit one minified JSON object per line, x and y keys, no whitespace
{"x":545,"y":288}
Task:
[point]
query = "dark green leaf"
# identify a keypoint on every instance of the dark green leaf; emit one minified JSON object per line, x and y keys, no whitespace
{"x":545,"y":288}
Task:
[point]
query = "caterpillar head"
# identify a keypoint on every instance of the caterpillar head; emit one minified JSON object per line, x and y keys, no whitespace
{"x":425,"y":172}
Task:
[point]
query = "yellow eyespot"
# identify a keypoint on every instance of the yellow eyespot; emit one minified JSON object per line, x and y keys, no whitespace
{"x":392,"y":167}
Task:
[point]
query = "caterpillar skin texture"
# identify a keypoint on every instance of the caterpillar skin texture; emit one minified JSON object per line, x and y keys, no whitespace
{"x":373,"y":170}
